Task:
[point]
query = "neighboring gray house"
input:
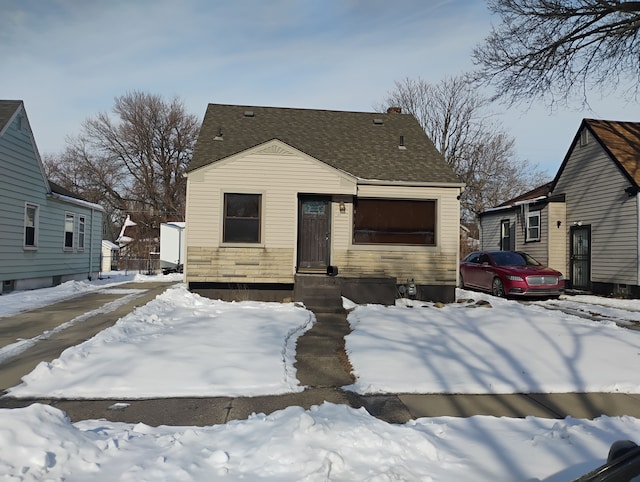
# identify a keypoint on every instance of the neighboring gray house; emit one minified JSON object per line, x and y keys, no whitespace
{"x":48,"y":235}
{"x":528,"y":223}
{"x":589,"y":220}
{"x":276,"y":196}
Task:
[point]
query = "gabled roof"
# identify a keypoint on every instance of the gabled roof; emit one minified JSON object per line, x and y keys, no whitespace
{"x":620,"y":140}
{"x":7,"y":109}
{"x":365,"y":145}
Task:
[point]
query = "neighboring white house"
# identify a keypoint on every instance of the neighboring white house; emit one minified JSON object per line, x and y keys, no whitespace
{"x":49,"y":235}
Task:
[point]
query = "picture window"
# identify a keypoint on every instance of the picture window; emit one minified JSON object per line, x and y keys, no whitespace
{"x":395,"y":221}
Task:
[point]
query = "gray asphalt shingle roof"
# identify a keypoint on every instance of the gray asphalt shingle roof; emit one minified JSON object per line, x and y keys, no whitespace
{"x":363,"y":144}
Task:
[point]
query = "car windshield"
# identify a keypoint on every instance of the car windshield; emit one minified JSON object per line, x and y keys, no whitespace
{"x":512,"y":258}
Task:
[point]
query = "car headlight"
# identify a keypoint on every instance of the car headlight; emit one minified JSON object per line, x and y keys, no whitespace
{"x":512,"y":277}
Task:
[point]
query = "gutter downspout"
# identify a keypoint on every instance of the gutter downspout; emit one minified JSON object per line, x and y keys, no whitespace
{"x":91,"y":248}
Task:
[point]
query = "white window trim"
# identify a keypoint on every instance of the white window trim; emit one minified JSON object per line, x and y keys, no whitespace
{"x":505,"y":223}
{"x":36,"y":225}
{"x":82,"y":229}
{"x":531,"y":215}
{"x":64,"y":237}
{"x":584,"y":137}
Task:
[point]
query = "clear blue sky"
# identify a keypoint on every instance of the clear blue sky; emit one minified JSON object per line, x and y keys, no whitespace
{"x":69,"y":59}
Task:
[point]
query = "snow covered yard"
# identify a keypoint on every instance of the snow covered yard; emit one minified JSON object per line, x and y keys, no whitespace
{"x":510,"y":348}
{"x":458,"y":348}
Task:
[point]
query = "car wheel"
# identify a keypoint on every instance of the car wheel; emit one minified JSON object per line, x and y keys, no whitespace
{"x":462,"y":282}
{"x":497,"y":288}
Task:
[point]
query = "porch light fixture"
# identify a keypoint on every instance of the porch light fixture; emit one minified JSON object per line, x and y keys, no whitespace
{"x":631,"y":191}
{"x":343,"y":208}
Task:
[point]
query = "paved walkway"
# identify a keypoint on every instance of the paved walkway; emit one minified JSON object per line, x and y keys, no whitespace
{"x":321,"y":365}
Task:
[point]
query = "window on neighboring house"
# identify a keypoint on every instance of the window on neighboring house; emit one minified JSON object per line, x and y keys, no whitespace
{"x":242,"y":214}
{"x":30,"y":226}
{"x":395,"y":221}
{"x":533,"y":226}
{"x":69,"y":219}
{"x":505,"y":235}
{"x":584,"y":137}
{"x":81,"y":227}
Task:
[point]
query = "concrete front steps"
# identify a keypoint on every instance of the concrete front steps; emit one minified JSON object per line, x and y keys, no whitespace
{"x":319,"y":293}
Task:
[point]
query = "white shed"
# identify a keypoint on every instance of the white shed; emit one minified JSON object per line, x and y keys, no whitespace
{"x":109,"y":256}
{"x":172,"y":246}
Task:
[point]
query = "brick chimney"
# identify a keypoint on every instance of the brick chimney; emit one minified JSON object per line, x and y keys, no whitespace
{"x":394,"y":110}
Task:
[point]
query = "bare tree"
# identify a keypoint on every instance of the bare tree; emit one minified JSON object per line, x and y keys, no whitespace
{"x":457,"y":119}
{"x":555,"y":49}
{"x":132,"y":161}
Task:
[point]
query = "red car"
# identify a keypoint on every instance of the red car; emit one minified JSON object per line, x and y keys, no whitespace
{"x":509,"y":273}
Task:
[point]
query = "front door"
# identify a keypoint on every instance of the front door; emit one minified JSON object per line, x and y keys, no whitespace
{"x":314,"y":232}
{"x":580,"y":256}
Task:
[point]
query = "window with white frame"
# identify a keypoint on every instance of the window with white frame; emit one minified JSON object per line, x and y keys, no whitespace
{"x":584,"y":137}
{"x":533,"y":226}
{"x":505,"y":235}
{"x":31,"y":226}
{"x":69,"y":221}
{"x":81,"y":229}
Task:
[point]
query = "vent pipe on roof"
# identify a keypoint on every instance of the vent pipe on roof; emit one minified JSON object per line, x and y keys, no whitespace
{"x":249,"y":113}
{"x":218,"y":136}
{"x":378,"y":122}
{"x":401,"y":144}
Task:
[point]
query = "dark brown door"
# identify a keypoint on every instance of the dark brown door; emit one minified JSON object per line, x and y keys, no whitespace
{"x":314,"y":232}
{"x":580,"y":255}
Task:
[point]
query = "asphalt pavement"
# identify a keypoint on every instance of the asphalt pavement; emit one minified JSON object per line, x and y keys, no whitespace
{"x":321,"y":365}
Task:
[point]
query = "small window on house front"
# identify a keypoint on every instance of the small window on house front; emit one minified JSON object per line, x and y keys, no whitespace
{"x":242,"y":218}
{"x":505,"y":235}
{"x":31,"y":226}
{"x":81,"y":229}
{"x":394,"y":221}
{"x":533,"y":226}
{"x":69,"y":219}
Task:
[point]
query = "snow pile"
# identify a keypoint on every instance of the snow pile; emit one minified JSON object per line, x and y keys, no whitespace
{"x":327,"y":442}
{"x":180,"y":345}
{"x":471,"y":348}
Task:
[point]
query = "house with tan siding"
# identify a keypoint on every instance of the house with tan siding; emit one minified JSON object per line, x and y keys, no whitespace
{"x":362,"y":202}
{"x":590,"y":216}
